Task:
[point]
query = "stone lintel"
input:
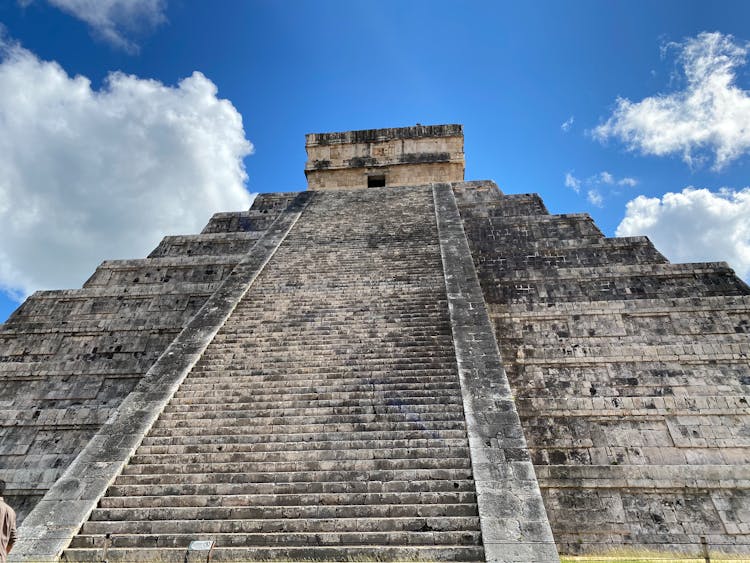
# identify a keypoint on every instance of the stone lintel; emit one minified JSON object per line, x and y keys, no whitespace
{"x":512,"y":515}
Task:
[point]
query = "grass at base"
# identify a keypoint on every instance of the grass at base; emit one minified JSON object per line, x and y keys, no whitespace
{"x":651,"y":558}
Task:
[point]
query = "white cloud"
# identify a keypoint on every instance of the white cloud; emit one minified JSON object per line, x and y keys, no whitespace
{"x":114,"y":20}
{"x":594,"y":197}
{"x":711,"y":115}
{"x":567,"y":124}
{"x":596,"y":181}
{"x":87,"y":174}
{"x":695,"y":225}
{"x":610,"y":180}
{"x":572,"y":182}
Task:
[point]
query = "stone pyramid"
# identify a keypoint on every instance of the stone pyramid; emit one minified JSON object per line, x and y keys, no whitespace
{"x":394,"y":365}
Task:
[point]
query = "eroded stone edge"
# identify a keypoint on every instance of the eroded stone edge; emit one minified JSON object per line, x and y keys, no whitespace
{"x":513,"y":520}
{"x":51,"y":525}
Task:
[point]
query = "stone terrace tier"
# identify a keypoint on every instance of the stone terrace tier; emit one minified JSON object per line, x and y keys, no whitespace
{"x":631,"y":377}
{"x":325,"y":419}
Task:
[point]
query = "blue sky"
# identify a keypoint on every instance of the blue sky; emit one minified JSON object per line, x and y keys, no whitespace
{"x":101,"y":169}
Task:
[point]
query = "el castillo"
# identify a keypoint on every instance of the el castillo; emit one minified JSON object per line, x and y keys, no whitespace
{"x":395,"y":364}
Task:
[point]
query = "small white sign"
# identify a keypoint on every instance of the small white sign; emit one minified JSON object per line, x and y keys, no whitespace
{"x":201,"y":545}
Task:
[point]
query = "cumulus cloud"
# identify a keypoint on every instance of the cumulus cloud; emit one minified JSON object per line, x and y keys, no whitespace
{"x":606,"y":178}
{"x":92,"y":174}
{"x":115,"y":20}
{"x":695,"y":225}
{"x":629,"y":182}
{"x":567,"y":124}
{"x":709,"y":117}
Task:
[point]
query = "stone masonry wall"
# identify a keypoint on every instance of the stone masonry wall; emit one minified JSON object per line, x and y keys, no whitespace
{"x":402,"y":175}
{"x":630,"y":374}
{"x":68,"y":358}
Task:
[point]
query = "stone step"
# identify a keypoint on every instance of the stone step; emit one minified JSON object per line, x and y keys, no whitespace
{"x":210,"y":396}
{"x":405,"y":303}
{"x":296,"y":311}
{"x":376,"y":328}
{"x":294,"y":466}
{"x":299,"y":476}
{"x":213,"y":447}
{"x":332,"y":438}
{"x":272,"y":385}
{"x":447,"y":523}
{"x":297,"y":360}
{"x":265,"y":410}
{"x":310,"y":455}
{"x":319,"y":305}
{"x":298,"y":318}
{"x":435,"y":429}
{"x":292,"y":366}
{"x":244,"y":404}
{"x":262,"y":553}
{"x":302,"y":499}
{"x":383,"y":348}
{"x":315,"y":276}
{"x":284,"y":538}
{"x":455,"y":485}
{"x":344,"y":308}
{"x":324,"y":420}
{"x":304,"y":355}
{"x":318,"y":377}
{"x":326,"y":327}
{"x":423,"y":510}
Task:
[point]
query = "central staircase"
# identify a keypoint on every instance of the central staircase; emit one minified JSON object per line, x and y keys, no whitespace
{"x":324,"y":421}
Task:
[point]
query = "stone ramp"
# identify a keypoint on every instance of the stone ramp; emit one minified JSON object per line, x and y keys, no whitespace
{"x":324,"y":421}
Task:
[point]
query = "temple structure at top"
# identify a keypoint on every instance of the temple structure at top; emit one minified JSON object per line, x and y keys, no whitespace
{"x":376,"y":158}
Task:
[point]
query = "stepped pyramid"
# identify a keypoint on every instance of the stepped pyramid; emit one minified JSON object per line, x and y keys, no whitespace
{"x":393,"y":365}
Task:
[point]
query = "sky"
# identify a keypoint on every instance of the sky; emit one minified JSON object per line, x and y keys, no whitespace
{"x":122,"y":121}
